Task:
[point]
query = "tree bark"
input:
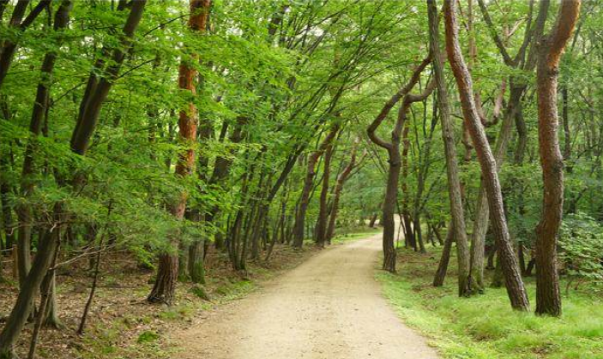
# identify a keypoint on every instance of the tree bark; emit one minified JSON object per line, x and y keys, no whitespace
{"x":321,"y":223}
{"x":300,"y":218}
{"x":24,"y":211}
{"x":22,"y":308}
{"x":440,"y":275}
{"x":167,"y":272}
{"x":393,"y":150}
{"x":515,"y":286}
{"x":341,"y":178}
{"x":454,"y":183}
{"x":548,"y":298}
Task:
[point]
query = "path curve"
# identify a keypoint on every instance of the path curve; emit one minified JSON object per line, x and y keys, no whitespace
{"x":329,"y":307}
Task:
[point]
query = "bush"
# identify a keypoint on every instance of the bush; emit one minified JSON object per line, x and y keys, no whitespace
{"x":581,"y":248}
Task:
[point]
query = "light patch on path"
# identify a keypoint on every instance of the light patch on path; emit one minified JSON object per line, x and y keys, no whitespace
{"x":330,"y":307}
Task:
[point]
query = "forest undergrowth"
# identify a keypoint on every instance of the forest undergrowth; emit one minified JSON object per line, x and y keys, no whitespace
{"x":480,"y":327}
{"x":122,"y":324}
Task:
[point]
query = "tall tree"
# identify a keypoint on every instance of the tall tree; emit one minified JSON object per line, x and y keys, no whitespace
{"x":454,"y":183}
{"x":548,"y":297}
{"x":79,"y":145}
{"x":514,"y":283}
{"x":300,"y":218}
{"x":167,"y":272}
{"x":395,"y":161}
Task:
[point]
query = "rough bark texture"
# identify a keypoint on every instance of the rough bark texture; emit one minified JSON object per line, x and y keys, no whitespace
{"x":513,"y":280}
{"x":548,"y":298}
{"x":167,"y":272}
{"x":452,"y":171}
{"x":480,"y":224}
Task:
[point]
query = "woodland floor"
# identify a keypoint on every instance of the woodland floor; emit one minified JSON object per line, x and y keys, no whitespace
{"x":121,"y":324}
{"x":330,"y":307}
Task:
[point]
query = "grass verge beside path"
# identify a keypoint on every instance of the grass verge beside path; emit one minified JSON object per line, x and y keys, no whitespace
{"x":484,"y":326}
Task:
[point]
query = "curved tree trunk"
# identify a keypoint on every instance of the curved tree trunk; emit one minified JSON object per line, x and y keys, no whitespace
{"x":393,"y":150}
{"x":548,"y":298}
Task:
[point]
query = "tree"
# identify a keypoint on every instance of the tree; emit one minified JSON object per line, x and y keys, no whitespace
{"x":514,"y":283}
{"x":548,"y":297}
{"x":167,"y":272}
{"x":454,"y":184}
{"x":394,"y":160}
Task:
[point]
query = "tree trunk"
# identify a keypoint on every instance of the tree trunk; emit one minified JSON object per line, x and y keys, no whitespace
{"x":343,"y":176}
{"x":321,"y":223}
{"x":482,"y":211}
{"x":393,"y":150}
{"x":454,"y":184}
{"x":24,"y":211}
{"x":548,"y":298}
{"x":514,"y":282}
{"x":21,"y":310}
{"x":167,"y":272}
{"x":440,"y":275}
{"x":300,"y":218}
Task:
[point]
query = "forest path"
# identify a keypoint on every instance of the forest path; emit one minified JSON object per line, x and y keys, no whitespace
{"x":329,"y":307}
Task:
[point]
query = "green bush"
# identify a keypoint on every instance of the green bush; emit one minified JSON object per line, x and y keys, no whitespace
{"x":581,"y":248}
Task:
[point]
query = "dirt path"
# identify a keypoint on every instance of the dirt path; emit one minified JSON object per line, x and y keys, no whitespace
{"x":329,"y":307}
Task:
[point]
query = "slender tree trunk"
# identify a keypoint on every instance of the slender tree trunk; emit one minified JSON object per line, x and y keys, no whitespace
{"x":482,"y":211}
{"x":300,"y":218}
{"x":454,"y":184}
{"x":393,"y":150}
{"x":167,"y":272}
{"x":321,"y":223}
{"x":440,"y":275}
{"x":514,"y":282}
{"x":21,"y":310}
{"x":341,"y":178}
{"x":548,"y":297}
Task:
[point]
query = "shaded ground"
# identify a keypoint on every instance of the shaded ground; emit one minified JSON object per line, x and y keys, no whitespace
{"x":330,"y":307}
{"x":121,"y":324}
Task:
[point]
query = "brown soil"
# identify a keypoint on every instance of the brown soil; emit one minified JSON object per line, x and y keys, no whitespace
{"x":330,"y":307}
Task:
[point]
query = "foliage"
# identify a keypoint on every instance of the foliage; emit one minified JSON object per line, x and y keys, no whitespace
{"x":482,"y":326}
{"x":581,"y":244}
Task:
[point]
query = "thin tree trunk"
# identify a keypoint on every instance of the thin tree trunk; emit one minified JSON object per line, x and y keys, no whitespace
{"x":321,"y":223}
{"x":393,"y":150}
{"x":167,"y":272}
{"x":515,"y":286}
{"x":341,"y":178}
{"x":440,"y":274}
{"x":21,"y":310}
{"x":454,"y":184}
{"x":300,"y":218}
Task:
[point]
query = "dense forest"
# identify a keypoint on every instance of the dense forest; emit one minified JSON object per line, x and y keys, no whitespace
{"x":184,"y":136}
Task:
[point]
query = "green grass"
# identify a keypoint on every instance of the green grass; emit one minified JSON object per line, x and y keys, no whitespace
{"x":358,"y":233}
{"x":484,"y":326}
